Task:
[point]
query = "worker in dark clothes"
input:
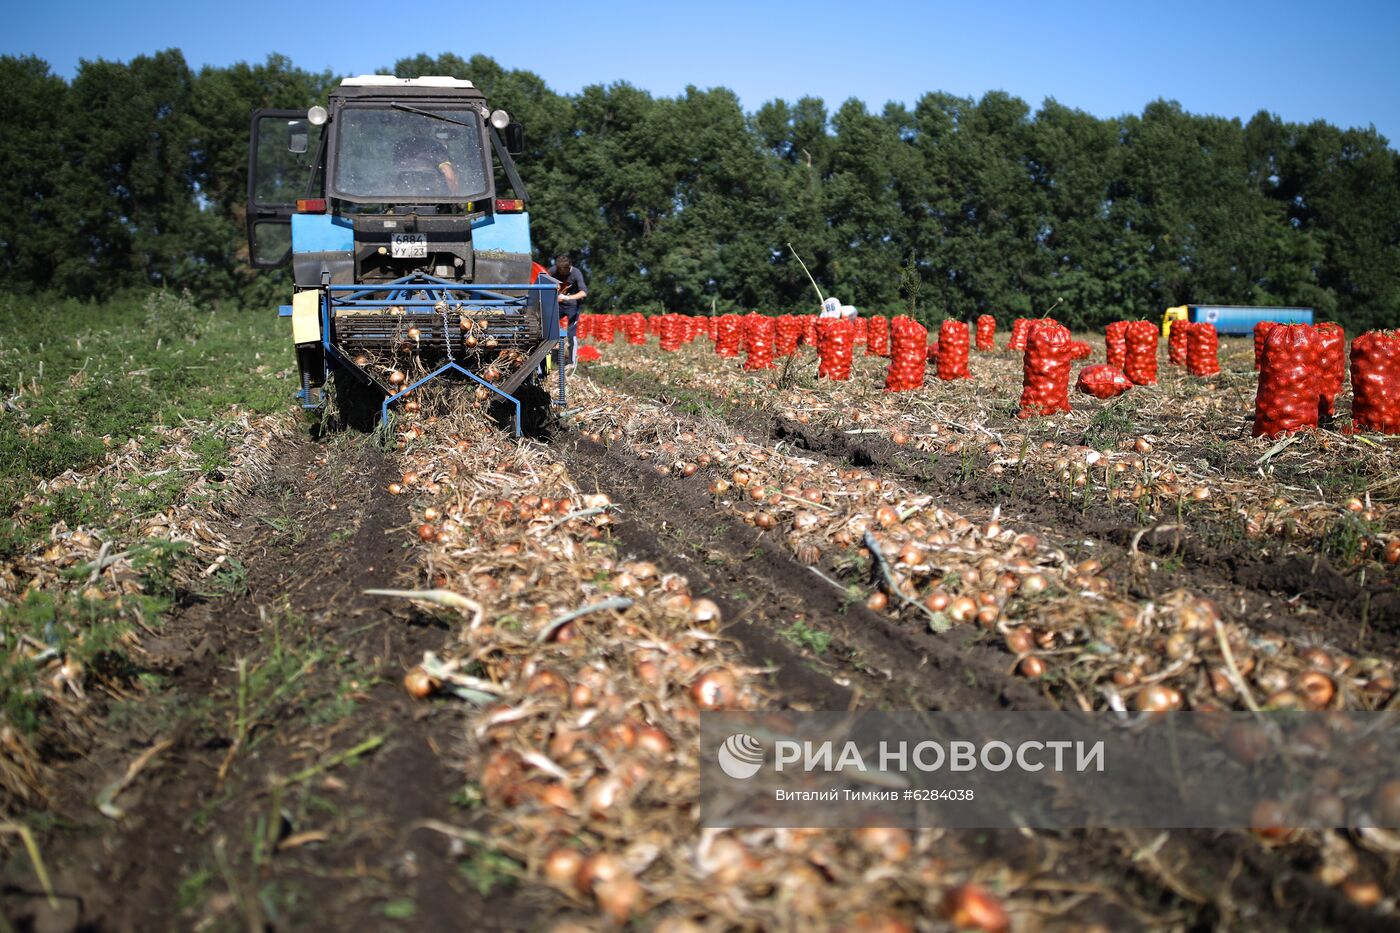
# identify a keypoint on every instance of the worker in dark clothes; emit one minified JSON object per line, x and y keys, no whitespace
{"x":572,"y":292}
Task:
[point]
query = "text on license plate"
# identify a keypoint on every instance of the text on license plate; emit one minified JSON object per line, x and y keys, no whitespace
{"x":409,"y":246}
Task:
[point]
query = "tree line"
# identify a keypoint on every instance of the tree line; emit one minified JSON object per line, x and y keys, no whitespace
{"x":133,"y":175}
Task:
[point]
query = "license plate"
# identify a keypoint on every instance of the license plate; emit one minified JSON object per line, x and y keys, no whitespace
{"x":409,"y":246}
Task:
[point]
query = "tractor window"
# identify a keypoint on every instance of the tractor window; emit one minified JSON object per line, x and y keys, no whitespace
{"x":280,"y":175}
{"x":384,"y":154}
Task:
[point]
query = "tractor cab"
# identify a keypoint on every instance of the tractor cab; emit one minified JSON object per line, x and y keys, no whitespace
{"x":387,"y":205}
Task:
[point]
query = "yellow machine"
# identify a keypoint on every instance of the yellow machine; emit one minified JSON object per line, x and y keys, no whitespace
{"x":1178,"y":313}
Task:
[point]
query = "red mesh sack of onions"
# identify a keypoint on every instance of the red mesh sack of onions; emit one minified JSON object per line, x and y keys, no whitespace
{"x":1079,"y":350}
{"x":1141,"y":363}
{"x":1289,"y":381}
{"x":605,"y":331}
{"x":1375,"y":381}
{"x":762,"y":335}
{"x":861,"y":328}
{"x":1261,"y":333}
{"x":907,"y":355}
{"x":587,"y":353}
{"x":728,"y":334}
{"x":788,"y":333}
{"x":809,"y":330}
{"x":1331,"y":364}
{"x":670,"y":331}
{"x":986,"y":333}
{"x":953,"y":343}
{"x":931,"y":353}
{"x":635,"y":326}
{"x":1179,"y":343}
{"x":1115,"y":339}
{"x":1103,"y":381}
{"x":877,"y":336}
{"x":836,"y":347}
{"x":1020,"y":329}
{"x":1045,"y":386}
{"x":1202,"y":348}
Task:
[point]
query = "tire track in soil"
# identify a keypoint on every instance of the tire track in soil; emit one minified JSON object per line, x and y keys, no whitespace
{"x":663,"y":520}
{"x":127,"y":876}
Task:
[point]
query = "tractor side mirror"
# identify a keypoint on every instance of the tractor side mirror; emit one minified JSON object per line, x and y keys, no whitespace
{"x":515,"y":138}
{"x":298,"y":136}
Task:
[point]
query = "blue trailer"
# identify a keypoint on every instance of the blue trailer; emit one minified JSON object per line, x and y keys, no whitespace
{"x":1234,"y":319}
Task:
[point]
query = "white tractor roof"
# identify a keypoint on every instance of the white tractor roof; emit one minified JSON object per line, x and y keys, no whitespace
{"x":391,"y":81}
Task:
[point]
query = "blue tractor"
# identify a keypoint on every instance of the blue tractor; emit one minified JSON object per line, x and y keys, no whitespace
{"x":408,"y":265}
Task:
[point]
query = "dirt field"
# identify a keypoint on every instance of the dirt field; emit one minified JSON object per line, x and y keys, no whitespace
{"x":538,"y":769}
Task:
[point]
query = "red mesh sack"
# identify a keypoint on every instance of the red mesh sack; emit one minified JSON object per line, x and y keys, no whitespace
{"x":1375,"y":381}
{"x":1202,"y":348}
{"x":907,"y":355}
{"x":1103,"y":381}
{"x":788,"y":333}
{"x":986,"y":333}
{"x":835,"y":347}
{"x":1115,"y":339}
{"x":1179,"y":343}
{"x":763,"y":333}
{"x":1045,"y":385}
{"x":670,"y":330}
{"x":1261,"y":333}
{"x":1331,"y":364}
{"x":1288,"y":381}
{"x":809,"y":330}
{"x":877,"y":337}
{"x":953,"y":343}
{"x":1141,"y":362}
{"x":587,"y":353}
{"x":1020,"y":328}
{"x":1079,"y":350}
{"x":862,"y":326}
{"x":728,"y":334}
{"x":931,"y":353}
{"x":635,"y":327}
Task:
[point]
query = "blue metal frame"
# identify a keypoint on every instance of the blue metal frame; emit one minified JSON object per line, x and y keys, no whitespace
{"x":450,"y":364}
{"x":399,"y":292}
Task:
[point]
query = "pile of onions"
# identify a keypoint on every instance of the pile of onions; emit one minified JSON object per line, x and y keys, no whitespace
{"x":789,"y":331}
{"x":1020,"y":329}
{"x":1331,"y":360}
{"x":1202,"y":348}
{"x":907,"y":358}
{"x":1141,"y":364}
{"x":877,"y":334}
{"x":1375,"y":381}
{"x":1289,"y":381}
{"x":762,"y":333}
{"x":1045,"y":387}
{"x":986,"y":333}
{"x":728,"y":333}
{"x":953,"y":345}
{"x":836,"y":347}
{"x":1103,"y":381}
{"x":1115,"y":338}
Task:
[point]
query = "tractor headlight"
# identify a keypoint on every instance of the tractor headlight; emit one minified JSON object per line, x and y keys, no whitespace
{"x":317,"y":115}
{"x":500,"y":119}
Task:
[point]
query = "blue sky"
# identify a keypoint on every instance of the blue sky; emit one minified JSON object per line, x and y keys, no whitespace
{"x":1303,"y":61}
